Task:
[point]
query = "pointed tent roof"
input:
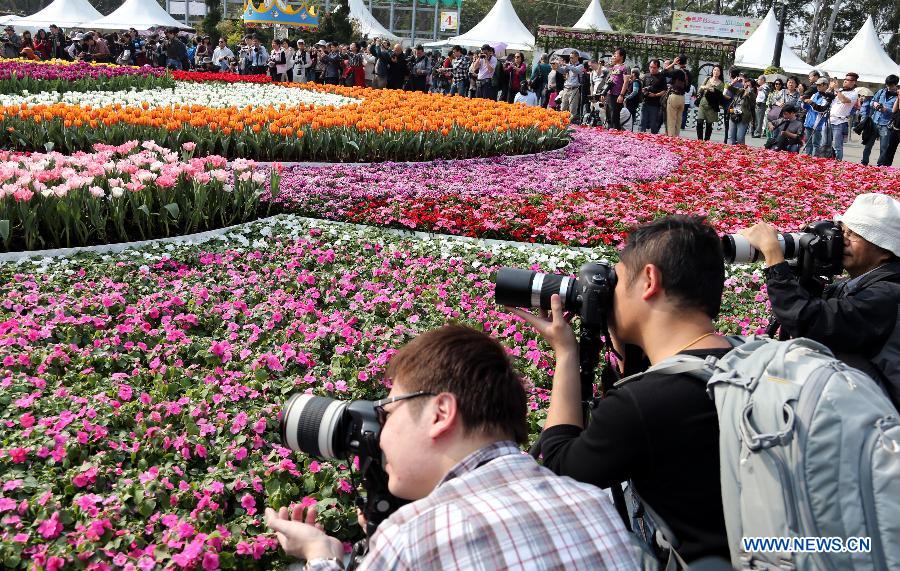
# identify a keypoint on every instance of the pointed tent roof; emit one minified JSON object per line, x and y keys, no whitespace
{"x":501,"y":24}
{"x":756,"y":52}
{"x":368,"y":25}
{"x":593,"y":19}
{"x":137,"y":14}
{"x":863,"y":55}
{"x":63,"y":13}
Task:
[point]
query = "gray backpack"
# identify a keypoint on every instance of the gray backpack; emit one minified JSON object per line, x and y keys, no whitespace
{"x":809,"y":448}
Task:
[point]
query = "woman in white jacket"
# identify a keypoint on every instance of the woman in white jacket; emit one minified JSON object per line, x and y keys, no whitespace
{"x":302,"y":63}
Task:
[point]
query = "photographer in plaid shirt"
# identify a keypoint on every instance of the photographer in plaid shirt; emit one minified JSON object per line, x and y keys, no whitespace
{"x":461,"y":64}
{"x":450,"y":425}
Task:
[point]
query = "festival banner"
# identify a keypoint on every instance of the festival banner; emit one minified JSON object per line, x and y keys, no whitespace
{"x":697,"y":24}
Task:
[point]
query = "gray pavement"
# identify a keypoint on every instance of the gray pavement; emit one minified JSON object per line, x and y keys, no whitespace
{"x":852,"y":149}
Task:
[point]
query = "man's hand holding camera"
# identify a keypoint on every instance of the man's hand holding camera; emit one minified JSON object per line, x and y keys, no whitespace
{"x":764,"y":238}
{"x":300,"y":536}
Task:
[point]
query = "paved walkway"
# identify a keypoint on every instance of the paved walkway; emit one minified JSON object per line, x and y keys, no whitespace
{"x":852,"y":149}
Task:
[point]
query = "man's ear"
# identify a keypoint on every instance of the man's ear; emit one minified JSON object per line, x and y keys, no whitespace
{"x":651,"y":282}
{"x":443,"y":415}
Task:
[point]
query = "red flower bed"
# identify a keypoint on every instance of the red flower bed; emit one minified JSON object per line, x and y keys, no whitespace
{"x":223,"y":77}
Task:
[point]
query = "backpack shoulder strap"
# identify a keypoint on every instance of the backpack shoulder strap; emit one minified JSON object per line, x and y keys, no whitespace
{"x":680,"y":364}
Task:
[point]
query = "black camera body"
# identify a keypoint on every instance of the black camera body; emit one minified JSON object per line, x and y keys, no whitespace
{"x":589,"y":295}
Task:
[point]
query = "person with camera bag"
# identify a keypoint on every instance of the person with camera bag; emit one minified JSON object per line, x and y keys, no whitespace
{"x":449,"y":430}
{"x":740,"y":95}
{"x":786,"y":132}
{"x":654,"y":89}
{"x":857,"y":318}
{"x":882,"y":105}
{"x":710,"y":94}
{"x":659,"y":432}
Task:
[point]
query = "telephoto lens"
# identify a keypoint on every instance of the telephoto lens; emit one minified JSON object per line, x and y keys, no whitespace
{"x":516,"y":287}
{"x":737,"y":249}
{"x":329,"y":428}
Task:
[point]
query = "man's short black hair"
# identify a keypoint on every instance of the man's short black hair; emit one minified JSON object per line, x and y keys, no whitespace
{"x":458,"y":49}
{"x":892,"y":79}
{"x":656,"y":61}
{"x":688,"y":253}
{"x":621,"y":52}
{"x":682,"y":59}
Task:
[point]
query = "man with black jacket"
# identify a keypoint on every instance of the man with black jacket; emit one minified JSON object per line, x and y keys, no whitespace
{"x":661,"y":431}
{"x":857,"y":318}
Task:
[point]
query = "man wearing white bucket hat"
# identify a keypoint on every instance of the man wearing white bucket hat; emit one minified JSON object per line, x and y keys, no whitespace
{"x":857,"y":318}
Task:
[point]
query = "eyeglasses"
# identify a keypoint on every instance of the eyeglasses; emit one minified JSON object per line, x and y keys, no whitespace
{"x":379,"y":405}
{"x":849,"y":234}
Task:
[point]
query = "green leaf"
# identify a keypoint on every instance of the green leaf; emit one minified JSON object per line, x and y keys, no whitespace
{"x":173,"y":210}
{"x":4,"y":229}
{"x":145,"y":209}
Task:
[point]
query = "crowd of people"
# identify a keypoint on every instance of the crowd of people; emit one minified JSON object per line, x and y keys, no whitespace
{"x":815,"y":118}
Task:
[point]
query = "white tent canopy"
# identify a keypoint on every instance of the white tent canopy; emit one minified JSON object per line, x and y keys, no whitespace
{"x":863,"y":55}
{"x":756,"y":52}
{"x":138,"y":14}
{"x":368,"y":25}
{"x":593,"y":19}
{"x":63,"y":13}
{"x":501,"y":24}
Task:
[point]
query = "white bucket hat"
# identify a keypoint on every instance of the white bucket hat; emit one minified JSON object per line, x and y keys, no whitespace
{"x":876,"y":218}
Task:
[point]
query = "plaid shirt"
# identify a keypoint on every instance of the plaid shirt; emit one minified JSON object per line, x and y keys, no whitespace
{"x":461,"y":69}
{"x":499,"y":509}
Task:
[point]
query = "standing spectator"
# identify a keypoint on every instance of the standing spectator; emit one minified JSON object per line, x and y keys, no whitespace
{"x":381,"y":49}
{"x":484,"y":67}
{"x":814,"y":76}
{"x":634,"y":94}
{"x":42,"y":45}
{"x":679,"y":80}
{"x":12,"y":44}
{"x":222,"y":56}
{"x":792,"y":93}
{"x":331,"y":74}
{"x":571,"y":95}
{"x":419,"y":72}
{"x":136,"y":47}
{"x":839,"y":115}
{"x":759,"y":118}
{"x":816,"y":117}
{"x":277,"y":63}
{"x":355,"y":74}
{"x":57,"y":39}
{"x":191,"y":50}
{"x":776,"y":96}
{"x":539,"y":79}
{"x":615,"y":96}
{"x":368,"y":65}
{"x":516,"y":71}
{"x":895,"y":132}
{"x":302,"y":63}
{"x":398,"y":71}
{"x":176,"y":51}
{"x":555,"y":82}
{"x":865,"y":126}
{"x":654,"y":89}
{"x":710,"y":95}
{"x":882,"y":106}
{"x":460,"y":72}
{"x":203,"y":53}
{"x":741,"y":97}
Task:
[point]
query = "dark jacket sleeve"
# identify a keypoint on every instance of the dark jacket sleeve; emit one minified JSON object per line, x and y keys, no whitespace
{"x":604,"y":454}
{"x":858,"y":322}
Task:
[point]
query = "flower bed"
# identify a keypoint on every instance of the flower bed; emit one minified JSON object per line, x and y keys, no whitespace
{"x":118,"y":194}
{"x":599,"y":187}
{"x":141,"y":391}
{"x":218,"y":76}
{"x":61,"y":76}
{"x":287,"y":122}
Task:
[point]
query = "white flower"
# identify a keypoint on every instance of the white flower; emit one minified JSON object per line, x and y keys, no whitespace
{"x":117,"y":191}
